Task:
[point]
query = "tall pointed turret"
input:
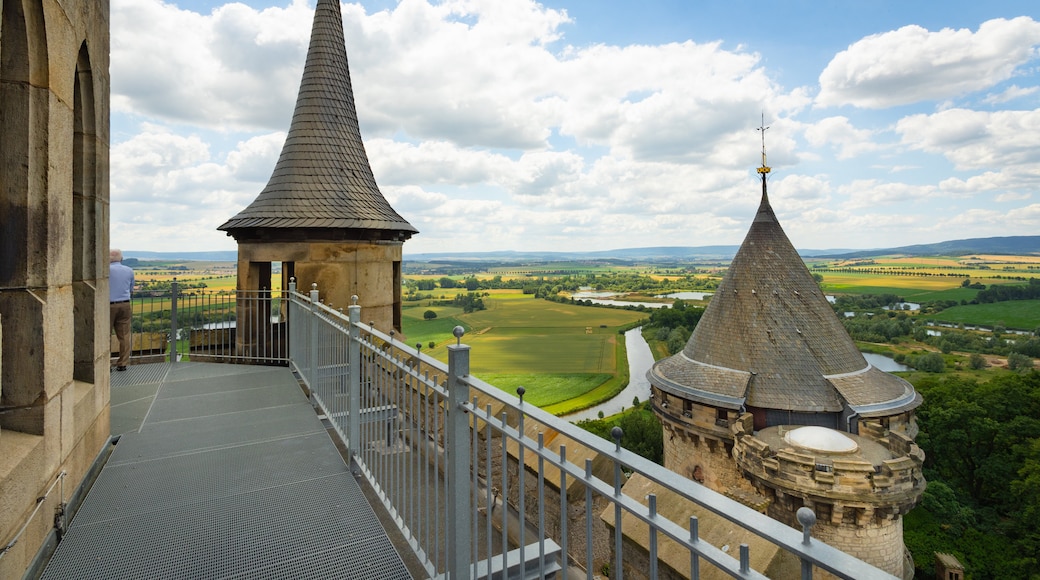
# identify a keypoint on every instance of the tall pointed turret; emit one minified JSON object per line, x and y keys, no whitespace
{"x":769,"y":341}
{"x":321,"y":214}
{"x":771,"y":403}
{"x":322,"y":179}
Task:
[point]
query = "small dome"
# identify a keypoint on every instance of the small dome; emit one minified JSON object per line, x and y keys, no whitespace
{"x":820,"y":439}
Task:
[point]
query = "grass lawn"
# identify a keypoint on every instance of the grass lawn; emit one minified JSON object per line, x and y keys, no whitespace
{"x":867,"y":283}
{"x":547,"y":389}
{"x":1017,"y":314}
{"x":558,"y":352}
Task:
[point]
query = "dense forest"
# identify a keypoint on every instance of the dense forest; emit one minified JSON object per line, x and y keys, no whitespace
{"x":982,"y":502}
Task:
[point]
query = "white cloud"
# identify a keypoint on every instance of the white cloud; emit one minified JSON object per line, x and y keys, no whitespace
{"x":974,"y":140}
{"x":236,"y":68}
{"x":912,"y":64}
{"x":486,"y":130}
{"x":839,"y":132}
{"x":1012,"y":196}
{"x":1009,"y":94}
{"x":872,"y":193}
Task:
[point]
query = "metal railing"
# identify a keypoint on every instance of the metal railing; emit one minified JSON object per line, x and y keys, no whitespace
{"x":208,"y":326}
{"x":482,"y":484}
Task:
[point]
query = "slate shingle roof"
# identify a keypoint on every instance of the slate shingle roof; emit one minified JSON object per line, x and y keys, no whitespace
{"x":770,"y":339}
{"x":323,"y":178}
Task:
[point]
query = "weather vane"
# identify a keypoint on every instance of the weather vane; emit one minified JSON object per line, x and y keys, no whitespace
{"x":765,"y":168}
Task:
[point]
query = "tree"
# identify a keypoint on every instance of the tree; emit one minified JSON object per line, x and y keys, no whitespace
{"x":932,"y":362}
{"x":1019,"y":361}
{"x":977,"y":361}
{"x":643,"y":434}
{"x":429,"y":315}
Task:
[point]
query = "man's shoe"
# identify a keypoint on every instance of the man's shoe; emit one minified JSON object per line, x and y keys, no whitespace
{"x":120,"y":369}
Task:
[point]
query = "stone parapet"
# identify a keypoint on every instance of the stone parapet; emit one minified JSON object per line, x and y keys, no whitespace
{"x":873,"y":475}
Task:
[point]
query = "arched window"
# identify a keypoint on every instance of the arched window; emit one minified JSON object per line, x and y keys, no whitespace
{"x":84,"y":219}
{"x":23,"y":211}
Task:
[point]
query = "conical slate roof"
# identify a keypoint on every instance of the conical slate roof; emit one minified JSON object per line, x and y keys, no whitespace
{"x":769,"y":339}
{"x":322,"y":179}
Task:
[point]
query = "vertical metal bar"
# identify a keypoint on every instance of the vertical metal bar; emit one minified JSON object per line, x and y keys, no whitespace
{"x":504,"y":493}
{"x":618,"y":531}
{"x":475,"y":462}
{"x":458,"y":460}
{"x":652,"y":500}
{"x":354,"y":380}
{"x":490,"y":485}
{"x":564,"y":513}
{"x":173,"y":320}
{"x":521,"y":467}
{"x":430,"y":443}
{"x":695,"y":559}
{"x":541,"y":504}
{"x":745,"y":559}
{"x":438,"y":410}
{"x":588,"y":518}
{"x":291,"y":317}
{"x":413,"y":466}
{"x":313,"y":346}
{"x":807,"y":517}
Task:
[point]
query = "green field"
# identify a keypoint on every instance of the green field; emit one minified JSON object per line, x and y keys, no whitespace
{"x":556,"y":351}
{"x":1017,"y":314}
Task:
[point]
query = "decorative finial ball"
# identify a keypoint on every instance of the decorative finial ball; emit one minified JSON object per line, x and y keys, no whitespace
{"x":418,"y":346}
{"x":353,"y":299}
{"x":458,"y":331}
{"x":520,"y":391}
{"x":806,"y":517}
{"x":314,"y":285}
{"x":617,"y":433}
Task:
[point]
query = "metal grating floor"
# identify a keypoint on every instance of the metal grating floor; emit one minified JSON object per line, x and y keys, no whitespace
{"x":229,"y":474}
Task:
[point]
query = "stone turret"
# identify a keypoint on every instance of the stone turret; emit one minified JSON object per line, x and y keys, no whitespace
{"x":321,"y":214}
{"x":769,"y":355}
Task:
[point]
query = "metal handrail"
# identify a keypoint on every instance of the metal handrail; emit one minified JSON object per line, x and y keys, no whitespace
{"x":464,"y":469}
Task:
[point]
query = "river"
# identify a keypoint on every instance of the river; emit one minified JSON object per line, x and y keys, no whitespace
{"x":640,"y":359}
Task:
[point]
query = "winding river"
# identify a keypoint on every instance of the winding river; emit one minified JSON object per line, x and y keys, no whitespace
{"x":639,"y":361}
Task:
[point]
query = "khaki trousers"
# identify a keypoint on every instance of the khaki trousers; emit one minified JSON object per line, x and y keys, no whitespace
{"x":120,"y":314}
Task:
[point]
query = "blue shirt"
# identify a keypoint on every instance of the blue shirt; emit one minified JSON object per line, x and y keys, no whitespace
{"x":120,"y":282}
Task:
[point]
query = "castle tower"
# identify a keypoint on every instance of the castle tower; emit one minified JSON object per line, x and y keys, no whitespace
{"x":54,"y":303}
{"x":322,"y":215}
{"x":770,"y":355}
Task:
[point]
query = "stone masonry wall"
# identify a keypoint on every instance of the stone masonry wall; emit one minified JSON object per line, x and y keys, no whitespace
{"x":54,"y":198}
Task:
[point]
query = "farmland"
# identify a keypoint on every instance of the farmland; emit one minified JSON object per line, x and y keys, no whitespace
{"x":556,"y":351}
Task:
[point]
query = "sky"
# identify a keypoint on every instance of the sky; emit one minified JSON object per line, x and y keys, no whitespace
{"x":577,"y":125}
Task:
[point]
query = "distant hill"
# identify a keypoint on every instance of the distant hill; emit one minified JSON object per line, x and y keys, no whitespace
{"x":652,"y":254}
{"x":225,"y":256}
{"x":1009,"y":245}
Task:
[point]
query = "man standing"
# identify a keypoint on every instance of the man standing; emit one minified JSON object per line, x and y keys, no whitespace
{"x":120,"y":285}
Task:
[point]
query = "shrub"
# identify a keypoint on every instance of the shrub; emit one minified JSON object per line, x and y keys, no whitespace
{"x":429,"y":315}
{"x":1019,"y":361}
{"x":932,"y":362}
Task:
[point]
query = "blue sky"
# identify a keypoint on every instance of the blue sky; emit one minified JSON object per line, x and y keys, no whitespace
{"x":582,"y":125}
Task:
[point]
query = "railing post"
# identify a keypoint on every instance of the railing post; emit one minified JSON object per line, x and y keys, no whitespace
{"x":354,"y":380}
{"x":457,"y":458}
{"x":173,"y":321}
{"x":312,"y":354}
{"x":807,"y":518}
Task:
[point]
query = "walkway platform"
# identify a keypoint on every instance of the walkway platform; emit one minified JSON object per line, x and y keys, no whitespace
{"x":221,"y":471}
